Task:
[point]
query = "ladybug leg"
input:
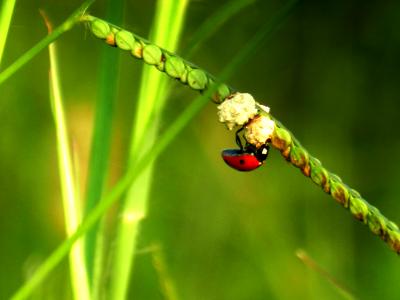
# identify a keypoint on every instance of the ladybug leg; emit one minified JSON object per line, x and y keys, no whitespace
{"x":238,"y":140}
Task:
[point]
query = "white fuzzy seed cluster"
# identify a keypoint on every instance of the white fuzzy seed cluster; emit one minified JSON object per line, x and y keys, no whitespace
{"x":259,"y":130}
{"x":237,"y":110}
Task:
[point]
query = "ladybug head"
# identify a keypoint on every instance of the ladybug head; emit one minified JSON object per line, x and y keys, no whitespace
{"x":262,"y":152}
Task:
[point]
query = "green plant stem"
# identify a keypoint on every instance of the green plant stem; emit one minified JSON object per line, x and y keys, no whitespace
{"x":165,"y":280}
{"x":70,"y":196}
{"x":6,"y":13}
{"x":313,"y":265}
{"x":133,"y":172}
{"x":57,"y":32}
{"x":168,"y":23}
{"x":298,"y":156}
{"x":100,"y":147}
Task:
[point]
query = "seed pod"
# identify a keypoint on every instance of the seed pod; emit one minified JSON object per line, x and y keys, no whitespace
{"x":393,"y":240}
{"x":298,"y":156}
{"x":358,"y":208}
{"x":354,"y":193}
{"x":100,"y":28}
{"x":137,"y":49}
{"x":318,"y":174}
{"x":197,"y":79}
{"x":340,"y":193}
{"x":174,"y":67}
{"x":221,"y":93}
{"x":375,"y":223}
{"x":392,"y":226}
{"x":281,"y":138}
{"x":161,"y":65}
{"x":184,"y":76}
{"x":152,"y":54}
{"x":125,"y":40}
{"x":334,"y":177}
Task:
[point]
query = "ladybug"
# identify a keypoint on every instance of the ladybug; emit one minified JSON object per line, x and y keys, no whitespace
{"x":246,"y":158}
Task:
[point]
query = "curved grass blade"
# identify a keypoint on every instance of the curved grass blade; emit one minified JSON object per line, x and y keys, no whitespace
{"x":57,"y":32}
{"x":153,"y":92}
{"x":100,"y":148}
{"x":313,"y":265}
{"x":6,"y":13}
{"x":166,"y":283}
{"x":133,"y":172}
{"x":70,"y":196}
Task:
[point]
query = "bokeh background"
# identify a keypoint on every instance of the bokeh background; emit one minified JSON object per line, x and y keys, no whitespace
{"x":330,"y":74}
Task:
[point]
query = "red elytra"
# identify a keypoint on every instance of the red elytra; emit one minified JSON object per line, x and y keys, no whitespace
{"x":240,"y":160}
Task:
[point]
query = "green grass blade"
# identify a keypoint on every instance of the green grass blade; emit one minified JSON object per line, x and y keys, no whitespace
{"x":166,"y":283}
{"x":213,"y":23}
{"x":313,"y":265}
{"x":70,"y":198}
{"x":6,"y":13}
{"x":123,"y":184}
{"x":57,"y":32}
{"x":101,"y":143}
{"x":152,"y":96}
{"x":133,"y":172}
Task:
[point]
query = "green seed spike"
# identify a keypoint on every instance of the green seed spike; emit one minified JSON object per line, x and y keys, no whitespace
{"x":283,"y":140}
{"x":152,"y":55}
{"x":311,"y":167}
{"x":197,"y":79}
{"x":164,"y":61}
{"x":124,"y":40}
{"x":174,"y":67}
{"x":100,"y":28}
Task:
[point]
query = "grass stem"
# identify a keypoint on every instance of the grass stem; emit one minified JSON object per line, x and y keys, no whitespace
{"x":107,"y":88}
{"x":313,"y":265}
{"x":56,"y":33}
{"x":70,"y":197}
{"x":168,"y":23}
{"x":6,"y":13}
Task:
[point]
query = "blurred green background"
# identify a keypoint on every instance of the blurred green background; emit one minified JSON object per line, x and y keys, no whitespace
{"x":330,"y":74}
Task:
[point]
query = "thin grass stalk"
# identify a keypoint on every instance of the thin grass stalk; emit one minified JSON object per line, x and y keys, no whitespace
{"x":71,"y":203}
{"x":313,"y":265}
{"x":166,"y":283}
{"x":72,"y":20}
{"x":6,"y":13}
{"x":134,"y":171}
{"x":213,"y":23}
{"x":100,"y":148}
{"x":167,"y":26}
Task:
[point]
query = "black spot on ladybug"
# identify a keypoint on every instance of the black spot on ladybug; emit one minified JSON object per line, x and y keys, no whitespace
{"x":241,"y":161}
